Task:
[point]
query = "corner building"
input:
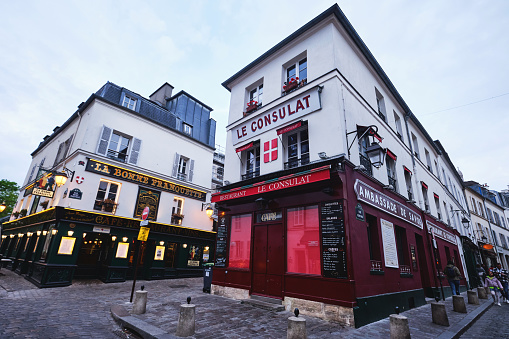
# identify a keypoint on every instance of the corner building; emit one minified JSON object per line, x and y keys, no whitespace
{"x":308,"y":216}
{"x":121,"y":152}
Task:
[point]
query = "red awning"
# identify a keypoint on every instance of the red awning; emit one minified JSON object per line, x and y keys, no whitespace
{"x":424,"y":185}
{"x":245,"y":147}
{"x":370,"y":131}
{"x":289,"y":128}
{"x":406,"y":169}
{"x":436,"y":195}
{"x":390,"y":154}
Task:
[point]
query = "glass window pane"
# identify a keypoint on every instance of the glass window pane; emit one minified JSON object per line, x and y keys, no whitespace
{"x":303,"y":240}
{"x":290,"y":73}
{"x":303,"y":70}
{"x":240,"y":241}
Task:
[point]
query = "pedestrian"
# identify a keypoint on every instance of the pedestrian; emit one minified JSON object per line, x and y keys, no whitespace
{"x":494,"y":285}
{"x":481,"y":273}
{"x":453,"y":277}
{"x":503,"y":276}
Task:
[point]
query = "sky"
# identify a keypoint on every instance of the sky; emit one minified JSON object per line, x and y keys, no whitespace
{"x":447,"y":59}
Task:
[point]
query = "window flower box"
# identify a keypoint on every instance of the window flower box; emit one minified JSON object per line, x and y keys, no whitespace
{"x":108,"y":205}
{"x":251,"y":106}
{"x":292,"y":84}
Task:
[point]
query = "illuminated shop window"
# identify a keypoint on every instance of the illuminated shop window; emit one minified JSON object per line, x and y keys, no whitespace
{"x":240,"y":241}
{"x":303,"y":240}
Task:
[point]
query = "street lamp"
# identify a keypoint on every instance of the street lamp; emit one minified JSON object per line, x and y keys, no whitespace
{"x":2,"y":207}
{"x":61,"y":177}
{"x":209,"y":210}
{"x":375,"y":153}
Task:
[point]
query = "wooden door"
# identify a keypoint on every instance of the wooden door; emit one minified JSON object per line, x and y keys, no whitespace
{"x":268,"y":260}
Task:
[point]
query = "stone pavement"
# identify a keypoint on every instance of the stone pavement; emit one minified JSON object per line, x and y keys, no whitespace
{"x":83,"y":311}
{"x":493,"y":324}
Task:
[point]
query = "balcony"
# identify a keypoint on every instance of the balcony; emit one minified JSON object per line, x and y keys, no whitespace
{"x":118,"y":156}
{"x":292,"y":163}
{"x":364,"y":161}
{"x":182,"y":176}
{"x":392,"y":182}
{"x":251,"y":174}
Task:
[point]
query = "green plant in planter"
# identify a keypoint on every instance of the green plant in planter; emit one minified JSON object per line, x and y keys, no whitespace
{"x":15,"y":214}
{"x":23,"y":212}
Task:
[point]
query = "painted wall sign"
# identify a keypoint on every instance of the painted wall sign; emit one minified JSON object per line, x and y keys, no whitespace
{"x":389,"y":244}
{"x":359,"y":212}
{"x":294,"y":108}
{"x":221,"y":242}
{"x":333,"y":240}
{"x":138,"y":178}
{"x":99,"y":229}
{"x":440,"y":233}
{"x":147,"y":198}
{"x":369,"y":195}
{"x":75,"y":194}
{"x":294,"y":180}
{"x":45,"y":187}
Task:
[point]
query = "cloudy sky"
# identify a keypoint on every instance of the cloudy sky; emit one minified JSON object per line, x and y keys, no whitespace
{"x":448,"y":60}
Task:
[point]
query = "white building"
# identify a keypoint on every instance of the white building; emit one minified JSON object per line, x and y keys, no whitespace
{"x":122,"y":152}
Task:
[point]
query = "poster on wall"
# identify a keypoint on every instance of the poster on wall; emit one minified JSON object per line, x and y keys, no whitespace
{"x":221,"y":242}
{"x":389,"y":244}
{"x":159,"y":254}
{"x":193,"y":258}
{"x":122,"y":250}
{"x":333,"y":240}
{"x":147,"y":197}
{"x":66,"y":245}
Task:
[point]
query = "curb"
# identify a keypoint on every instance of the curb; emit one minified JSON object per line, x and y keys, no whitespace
{"x":142,"y":328}
{"x":458,"y":329}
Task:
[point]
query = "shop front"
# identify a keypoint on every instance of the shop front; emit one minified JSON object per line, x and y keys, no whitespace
{"x":325,"y":238}
{"x":53,"y":247}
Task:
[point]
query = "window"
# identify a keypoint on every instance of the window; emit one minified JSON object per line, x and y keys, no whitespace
{"x":425,"y":197}
{"x":177,"y":211}
{"x":118,"y":146}
{"x":436,"y":168}
{"x":380,"y":105}
{"x":416,"y":146}
{"x":437,"y":205}
{"x":256,"y":94}
{"x":303,"y":240}
{"x":408,"y":182}
{"x":297,"y":148}
{"x":363,"y":156}
{"x":401,"y":245}
{"x":129,"y":102}
{"x":115,"y":145}
{"x":497,"y":219}
{"x":444,"y":180}
{"x":447,"y":214}
{"x":62,"y":150}
{"x":291,"y":71}
{"x":502,"y":240}
{"x":188,"y":129}
{"x":183,"y":168}
{"x":240,"y":241}
{"x":373,"y":239}
{"x":391,"y":171}
{"x":251,"y":158}
{"x":481,"y":210}
{"x":399,"y":128}
{"x":106,"y":198}
{"x":495,"y":239}
{"x":474,"y":208}
{"x":428,"y":160}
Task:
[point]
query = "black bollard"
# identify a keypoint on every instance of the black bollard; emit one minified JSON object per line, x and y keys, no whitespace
{"x":296,"y":312}
{"x":396,"y":309}
{"x":188,"y":300}
{"x":142,"y":287}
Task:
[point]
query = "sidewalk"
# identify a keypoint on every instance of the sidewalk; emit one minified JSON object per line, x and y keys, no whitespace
{"x":219,"y":317}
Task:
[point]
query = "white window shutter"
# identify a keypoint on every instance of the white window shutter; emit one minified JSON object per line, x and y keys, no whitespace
{"x":135,"y":151}
{"x":175,"y":165}
{"x":31,"y":174}
{"x":191,"y":170}
{"x":104,"y":139}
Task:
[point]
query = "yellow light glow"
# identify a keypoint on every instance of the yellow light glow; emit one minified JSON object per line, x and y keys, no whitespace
{"x":2,"y":207}
{"x":54,"y":231}
{"x":124,"y":239}
{"x":161,"y":243}
{"x":84,"y":235}
{"x":60,"y":179}
{"x":44,"y":232}
{"x":209,"y":211}
{"x":39,"y":233}
{"x":12,"y":235}
{"x":114,"y":238}
{"x":70,"y":233}
{"x":185,"y":245}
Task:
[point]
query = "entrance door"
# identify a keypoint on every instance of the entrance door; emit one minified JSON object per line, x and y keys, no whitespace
{"x":425,"y":276}
{"x":93,"y":255}
{"x":268,"y":260}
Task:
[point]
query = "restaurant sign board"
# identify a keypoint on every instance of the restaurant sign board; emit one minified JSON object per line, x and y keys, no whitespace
{"x":373,"y":197}
{"x":440,"y":233}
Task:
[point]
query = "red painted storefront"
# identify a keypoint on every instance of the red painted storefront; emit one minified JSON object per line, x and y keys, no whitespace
{"x":316,"y":233}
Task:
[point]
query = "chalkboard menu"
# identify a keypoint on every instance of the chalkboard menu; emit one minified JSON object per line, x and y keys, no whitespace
{"x":333,"y":240}
{"x":221,"y":242}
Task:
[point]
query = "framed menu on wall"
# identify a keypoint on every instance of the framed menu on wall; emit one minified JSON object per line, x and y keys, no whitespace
{"x":334,"y":264}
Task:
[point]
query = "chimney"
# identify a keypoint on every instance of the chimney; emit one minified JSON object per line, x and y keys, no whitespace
{"x":161,"y":94}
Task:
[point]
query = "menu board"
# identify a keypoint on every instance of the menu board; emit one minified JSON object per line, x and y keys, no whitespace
{"x":221,"y":242}
{"x":333,"y":240}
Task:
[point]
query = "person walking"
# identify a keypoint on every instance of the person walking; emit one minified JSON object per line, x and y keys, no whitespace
{"x":453,"y":277}
{"x":503,"y":276}
{"x":494,"y":285}
{"x":481,"y":273}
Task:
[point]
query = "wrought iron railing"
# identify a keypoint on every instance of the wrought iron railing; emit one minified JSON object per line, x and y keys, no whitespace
{"x":251,"y":174}
{"x":376,"y":265}
{"x":364,"y":161}
{"x":392,"y":182}
{"x":410,"y":195}
{"x":116,"y":155}
{"x":292,"y":163}
{"x":182,"y":176}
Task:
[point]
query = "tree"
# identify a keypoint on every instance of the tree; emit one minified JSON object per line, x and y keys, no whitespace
{"x":9,"y":194}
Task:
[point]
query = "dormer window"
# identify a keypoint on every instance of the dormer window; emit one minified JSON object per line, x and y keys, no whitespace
{"x":188,"y":129}
{"x":129,"y":102}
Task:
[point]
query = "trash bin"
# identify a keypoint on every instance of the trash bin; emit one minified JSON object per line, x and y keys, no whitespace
{"x":207,"y":277}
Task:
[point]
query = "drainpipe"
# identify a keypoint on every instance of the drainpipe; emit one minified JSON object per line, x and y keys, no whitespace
{"x":414,"y":167}
{"x":489,"y":225}
{"x":344,"y":115}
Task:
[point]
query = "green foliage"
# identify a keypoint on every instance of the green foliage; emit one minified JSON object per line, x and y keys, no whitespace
{"x":9,"y":194}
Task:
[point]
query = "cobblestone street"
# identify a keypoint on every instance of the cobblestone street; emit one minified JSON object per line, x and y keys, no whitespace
{"x":493,"y":324}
